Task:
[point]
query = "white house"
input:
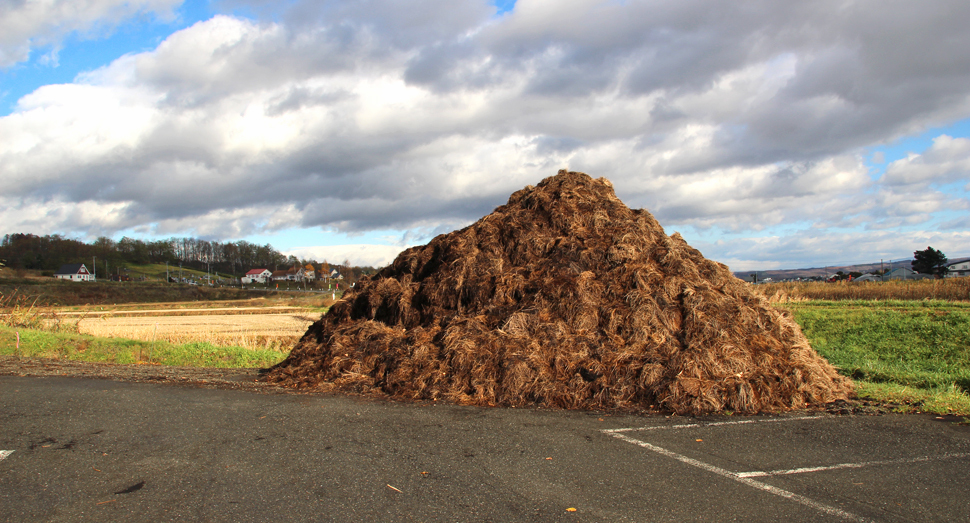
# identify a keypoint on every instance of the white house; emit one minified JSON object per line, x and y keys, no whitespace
{"x":292,"y":274}
{"x":256,"y":276}
{"x":74,"y":272}
{"x":958,"y":267}
{"x":296,"y":273}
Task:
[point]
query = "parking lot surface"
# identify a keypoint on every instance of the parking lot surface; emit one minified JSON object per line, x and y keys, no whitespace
{"x":83,"y":450}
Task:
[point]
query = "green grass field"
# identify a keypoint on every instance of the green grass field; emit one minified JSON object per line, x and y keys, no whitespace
{"x":81,"y":347}
{"x":915,"y":352}
{"x":157,"y":271}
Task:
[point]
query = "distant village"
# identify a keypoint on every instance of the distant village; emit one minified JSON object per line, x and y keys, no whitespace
{"x":955,"y":268}
{"x":298,"y":274}
{"x":177,"y":260}
{"x":310,"y":273}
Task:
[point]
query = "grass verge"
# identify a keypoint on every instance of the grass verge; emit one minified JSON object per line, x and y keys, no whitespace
{"x":914,"y":353}
{"x":81,"y":347}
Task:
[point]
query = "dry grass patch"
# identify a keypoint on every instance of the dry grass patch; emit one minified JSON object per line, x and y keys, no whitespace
{"x":950,"y":289}
{"x":20,"y":310}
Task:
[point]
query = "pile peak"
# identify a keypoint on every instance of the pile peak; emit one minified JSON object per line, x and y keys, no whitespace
{"x":563,"y":297}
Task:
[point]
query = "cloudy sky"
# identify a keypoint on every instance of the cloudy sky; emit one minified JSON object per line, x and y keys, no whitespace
{"x":770,"y":134}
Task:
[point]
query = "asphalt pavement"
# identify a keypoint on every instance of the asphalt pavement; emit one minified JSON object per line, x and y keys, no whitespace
{"x":76,"y":449}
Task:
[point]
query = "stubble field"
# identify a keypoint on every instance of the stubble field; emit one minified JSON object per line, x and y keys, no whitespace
{"x":255,"y":330}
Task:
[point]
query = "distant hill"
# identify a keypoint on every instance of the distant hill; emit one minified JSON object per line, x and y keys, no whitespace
{"x":823,"y":272}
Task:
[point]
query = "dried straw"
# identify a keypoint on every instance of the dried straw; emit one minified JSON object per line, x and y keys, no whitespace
{"x":563,"y":297}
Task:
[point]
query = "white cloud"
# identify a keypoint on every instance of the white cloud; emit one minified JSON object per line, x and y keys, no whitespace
{"x":356,"y":254}
{"x":946,"y":161}
{"x":914,"y":189}
{"x":26,"y":25}
{"x":780,"y":252}
{"x":59,"y":216}
{"x":757,"y":197}
{"x":357,"y":116}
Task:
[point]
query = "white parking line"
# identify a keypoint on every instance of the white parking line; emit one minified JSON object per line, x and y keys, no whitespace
{"x":747,"y":481}
{"x":4,"y":454}
{"x":758,"y":474}
{"x":821,"y":507}
{"x":715,"y":424}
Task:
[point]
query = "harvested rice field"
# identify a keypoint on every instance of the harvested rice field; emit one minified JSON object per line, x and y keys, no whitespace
{"x":200,"y":311}
{"x":278,"y":330}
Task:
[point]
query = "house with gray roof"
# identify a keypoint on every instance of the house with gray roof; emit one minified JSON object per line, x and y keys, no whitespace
{"x":957,"y":268}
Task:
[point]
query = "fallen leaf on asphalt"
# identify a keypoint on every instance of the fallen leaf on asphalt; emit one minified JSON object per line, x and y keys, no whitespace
{"x":395,"y":488}
{"x":134,"y":488}
{"x":698,"y":439}
{"x":570,"y":509}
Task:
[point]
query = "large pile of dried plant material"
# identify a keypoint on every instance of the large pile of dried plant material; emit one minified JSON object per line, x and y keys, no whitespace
{"x":563,"y":297}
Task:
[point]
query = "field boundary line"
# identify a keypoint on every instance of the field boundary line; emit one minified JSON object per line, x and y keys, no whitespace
{"x":901,"y":461}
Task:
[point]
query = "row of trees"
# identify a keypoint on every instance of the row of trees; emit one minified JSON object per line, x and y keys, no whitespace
{"x":48,"y":253}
